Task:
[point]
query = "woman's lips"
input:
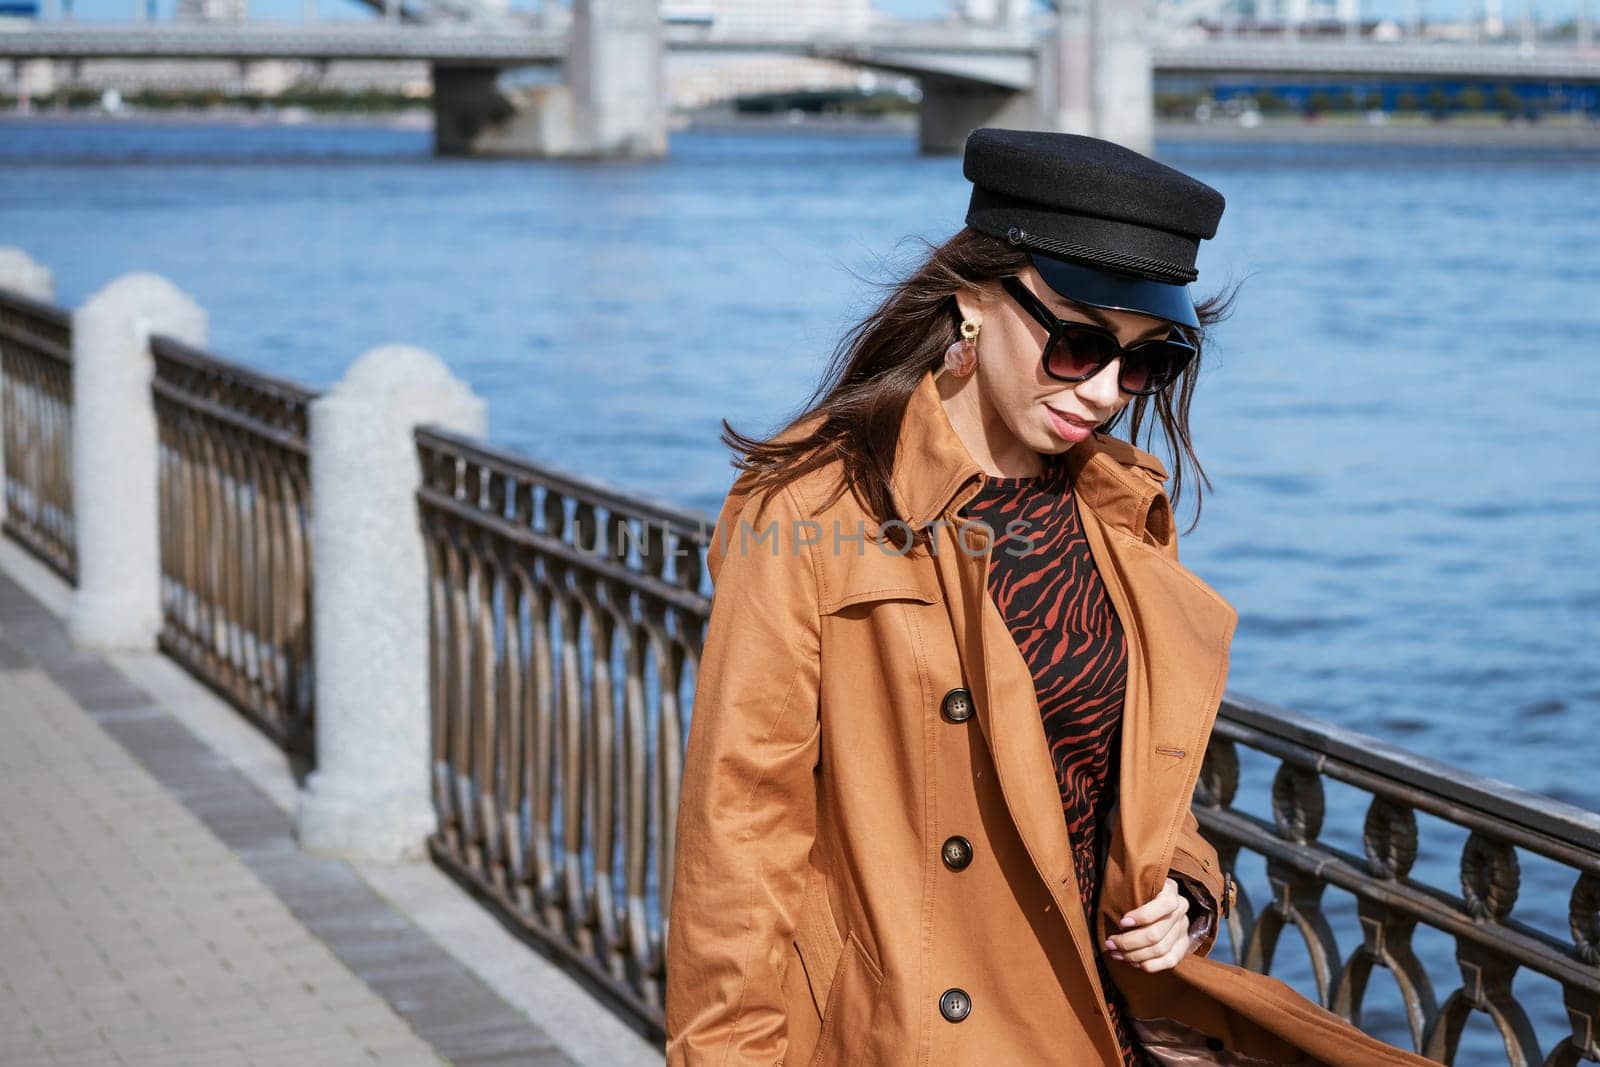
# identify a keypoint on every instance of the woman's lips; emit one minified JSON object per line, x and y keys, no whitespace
{"x":1070,"y":417}
{"x":1069,"y":427}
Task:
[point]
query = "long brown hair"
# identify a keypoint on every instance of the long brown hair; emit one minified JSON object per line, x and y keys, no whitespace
{"x":878,"y":363}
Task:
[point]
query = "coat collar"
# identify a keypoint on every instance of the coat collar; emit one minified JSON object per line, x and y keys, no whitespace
{"x":932,"y":466}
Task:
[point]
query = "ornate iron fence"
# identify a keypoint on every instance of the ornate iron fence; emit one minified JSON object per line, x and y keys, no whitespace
{"x":1487,"y":825}
{"x":36,"y":402}
{"x":561,"y":680}
{"x":235,"y":534}
{"x":567,"y":622}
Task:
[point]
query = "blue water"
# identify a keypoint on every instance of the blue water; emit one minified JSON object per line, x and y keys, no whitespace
{"x":1400,"y":421}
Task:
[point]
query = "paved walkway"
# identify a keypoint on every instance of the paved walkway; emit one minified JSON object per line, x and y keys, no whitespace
{"x":155,"y":910}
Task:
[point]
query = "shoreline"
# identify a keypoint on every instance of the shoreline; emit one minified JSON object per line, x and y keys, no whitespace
{"x":1546,"y":133}
{"x":1411,"y":131}
{"x":1407,"y":131}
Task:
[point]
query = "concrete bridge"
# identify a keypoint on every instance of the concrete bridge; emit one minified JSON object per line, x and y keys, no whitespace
{"x":1087,"y":68}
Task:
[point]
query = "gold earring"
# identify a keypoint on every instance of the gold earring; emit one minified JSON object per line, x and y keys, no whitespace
{"x":962,"y":356}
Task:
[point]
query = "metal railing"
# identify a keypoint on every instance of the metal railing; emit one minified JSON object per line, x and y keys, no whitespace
{"x":561,"y":684}
{"x":1392,"y":898}
{"x":567,"y":620}
{"x":36,"y":402}
{"x":235,"y":534}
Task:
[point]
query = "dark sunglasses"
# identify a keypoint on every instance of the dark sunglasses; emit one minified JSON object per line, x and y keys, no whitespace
{"x":1077,"y":351}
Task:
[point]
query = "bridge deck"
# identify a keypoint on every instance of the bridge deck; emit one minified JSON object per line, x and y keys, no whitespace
{"x":1003,"y":57}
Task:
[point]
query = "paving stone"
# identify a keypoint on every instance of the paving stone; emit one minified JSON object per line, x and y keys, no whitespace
{"x":156,"y":908}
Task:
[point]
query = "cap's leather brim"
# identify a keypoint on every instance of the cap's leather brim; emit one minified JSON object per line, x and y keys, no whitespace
{"x":1122,"y":292}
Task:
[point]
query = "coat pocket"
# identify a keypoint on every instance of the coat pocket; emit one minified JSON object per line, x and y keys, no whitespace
{"x":817,"y":940}
{"x":847,"y":1014}
{"x":844,"y":980}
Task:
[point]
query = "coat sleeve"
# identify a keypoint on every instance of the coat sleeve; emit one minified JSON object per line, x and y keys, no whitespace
{"x":1199,"y":876}
{"x":1195,"y":866}
{"x":747,"y":812}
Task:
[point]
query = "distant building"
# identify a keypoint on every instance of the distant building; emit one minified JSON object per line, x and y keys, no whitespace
{"x":991,"y":12}
{"x":211,"y":11}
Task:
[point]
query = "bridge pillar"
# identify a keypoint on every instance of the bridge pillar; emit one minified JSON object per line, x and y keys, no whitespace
{"x":1124,"y":75}
{"x":952,"y":108}
{"x":617,"y":74}
{"x":1094,"y":76}
{"x":611,"y":103}
{"x":473,"y":115}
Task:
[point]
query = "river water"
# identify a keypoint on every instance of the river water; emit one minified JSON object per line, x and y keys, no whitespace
{"x":1400,"y":420}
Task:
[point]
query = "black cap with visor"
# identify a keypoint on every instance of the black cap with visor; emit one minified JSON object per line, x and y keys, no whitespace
{"x":1103,"y":225}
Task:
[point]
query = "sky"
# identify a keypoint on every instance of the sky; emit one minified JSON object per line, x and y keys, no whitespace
{"x":290,"y":10}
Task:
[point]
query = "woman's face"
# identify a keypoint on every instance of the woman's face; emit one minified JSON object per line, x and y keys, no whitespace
{"x":1046,"y":415}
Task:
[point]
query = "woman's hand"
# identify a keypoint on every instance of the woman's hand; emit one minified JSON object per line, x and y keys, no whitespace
{"x":1155,"y":936}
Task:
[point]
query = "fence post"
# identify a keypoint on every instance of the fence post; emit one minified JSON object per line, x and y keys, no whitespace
{"x":117,"y":604}
{"x":20,"y":273}
{"x":369,"y":796}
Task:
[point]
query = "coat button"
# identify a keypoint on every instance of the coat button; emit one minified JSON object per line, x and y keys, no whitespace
{"x":957,"y":852}
{"x":954,"y":1004}
{"x":957,"y":706}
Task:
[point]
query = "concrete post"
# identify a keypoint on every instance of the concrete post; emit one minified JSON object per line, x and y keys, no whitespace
{"x":1124,"y":76}
{"x":117,"y":604}
{"x":615,"y":71}
{"x":369,"y":796}
{"x":1068,"y":67}
{"x":610,"y":105}
{"x":20,"y":273}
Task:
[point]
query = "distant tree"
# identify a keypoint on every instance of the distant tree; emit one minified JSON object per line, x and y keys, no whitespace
{"x":1268,"y":102}
{"x":1506,"y":99}
{"x":1320,"y":100}
{"x":1471,"y":98}
{"x":1438,"y":102}
{"x":1174,"y":104}
{"x":1406,"y":100}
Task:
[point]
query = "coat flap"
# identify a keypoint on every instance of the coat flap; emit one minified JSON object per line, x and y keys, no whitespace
{"x":855,"y":572}
{"x":1256,"y":1014}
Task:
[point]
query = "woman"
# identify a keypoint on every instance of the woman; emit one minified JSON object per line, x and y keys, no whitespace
{"x":956,"y":687}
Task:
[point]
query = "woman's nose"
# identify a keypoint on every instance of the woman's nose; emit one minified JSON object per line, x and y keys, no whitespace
{"x":1103,"y":390}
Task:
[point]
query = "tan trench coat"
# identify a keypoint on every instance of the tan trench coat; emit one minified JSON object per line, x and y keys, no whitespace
{"x":813,"y":918}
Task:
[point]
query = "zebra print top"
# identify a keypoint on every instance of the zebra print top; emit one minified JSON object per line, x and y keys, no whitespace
{"x":1044,"y":581}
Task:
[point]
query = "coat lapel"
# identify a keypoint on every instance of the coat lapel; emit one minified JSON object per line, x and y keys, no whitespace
{"x":1178,"y":631}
